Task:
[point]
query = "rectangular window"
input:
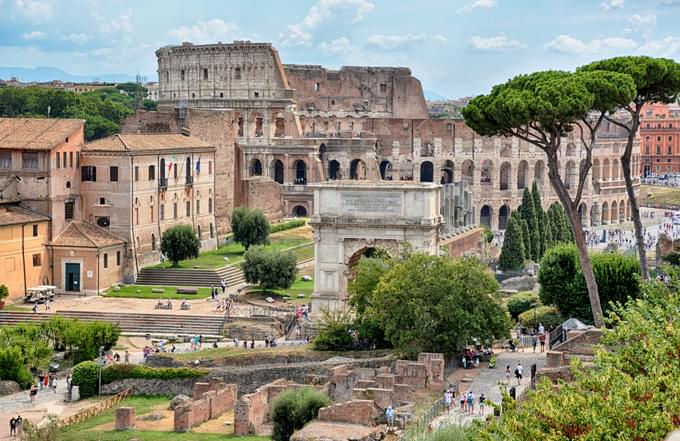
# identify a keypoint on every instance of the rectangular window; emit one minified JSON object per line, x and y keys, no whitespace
{"x":68,"y":210}
{"x":102,"y":201}
{"x":5,"y":159}
{"x":151,"y":213}
{"x":237,"y":73}
{"x":174,"y":167}
{"x":35,"y":231}
{"x":188,"y":208}
{"x":205,"y":74}
{"x":210,"y":205}
{"x":106,"y":260}
{"x":209,"y":167}
{"x":70,"y":159}
{"x":136,"y":173}
{"x":64,"y":160}
{"x":383,"y":88}
{"x":88,"y":173}
{"x":174,"y":210}
{"x":117,"y":258}
{"x":670,"y":149}
{"x":181,"y":75}
{"x":161,"y":212}
{"x":29,"y":160}
{"x":36,"y":260}
{"x":77,"y":159}
{"x":198,"y":207}
{"x":57,"y":160}
{"x":317,"y":87}
{"x":113,"y":173}
{"x":152,"y":172}
{"x":658,"y":149}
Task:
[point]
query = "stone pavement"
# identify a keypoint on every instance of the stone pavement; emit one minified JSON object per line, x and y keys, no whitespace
{"x":19,"y":404}
{"x":486,"y":382}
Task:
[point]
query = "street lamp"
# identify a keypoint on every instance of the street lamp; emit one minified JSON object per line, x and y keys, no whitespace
{"x":101,"y":362}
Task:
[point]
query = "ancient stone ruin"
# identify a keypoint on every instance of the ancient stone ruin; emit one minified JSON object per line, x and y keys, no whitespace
{"x":209,"y":401}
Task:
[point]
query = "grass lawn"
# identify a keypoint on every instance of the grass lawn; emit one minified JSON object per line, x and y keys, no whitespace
{"x":299,"y":287}
{"x":130,"y":291}
{"x":83,"y":432}
{"x":656,"y":194}
{"x":234,"y":252}
{"x":16,"y":308}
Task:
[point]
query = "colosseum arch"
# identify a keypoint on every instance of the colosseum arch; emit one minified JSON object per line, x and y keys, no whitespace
{"x":255,"y":167}
{"x":334,"y":170}
{"x":357,"y":169}
{"x":300,"y":171}
{"x":615,"y":170}
{"x":583,"y":212}
{"x":614,"y":215}
{"x":279,"y":125}
{"x":622,"y":211}
{"x":486,"y":174}
{"x":276,"y":171}
{"x":596,"y":171}
{"x":503,"y":215}
{"x":594,"y":214}
{"x":426,"y":171}
{"x":504,"y":177}
{"x":385,"y":169}
{"x":506,"y":152}
{"x":605,"y":213}
{"x":522,"y":169}
{"x":447,"y":172}
{"x":571,"y":149}
{"x":539,"y":172}
{"x":300,"y":211}
{"x":467,"y":170}
{"x":485,"y":216}
{"x":570,"y":175}
{"x":606,"y":170}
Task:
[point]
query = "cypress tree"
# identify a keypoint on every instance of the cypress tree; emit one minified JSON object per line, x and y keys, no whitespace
{"x":526,"y":235}
{"x":538,"y":208}
{"x":518,"y":219}
{"x":512,"y":252}
{"x":528,"y":213}
{"x":548,"y":232}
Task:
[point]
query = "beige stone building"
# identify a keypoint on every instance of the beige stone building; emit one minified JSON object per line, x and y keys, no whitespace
{"x":137,"y":186}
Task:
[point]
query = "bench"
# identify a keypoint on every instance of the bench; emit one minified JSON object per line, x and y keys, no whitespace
{"x":163,"y":306}
{"x":187,"y":291}
{"x":185,"y":307}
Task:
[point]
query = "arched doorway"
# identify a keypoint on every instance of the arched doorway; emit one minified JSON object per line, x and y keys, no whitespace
{"x":447,"y":173}
{"x":322,"y":152}
{"x":300,"y":168}
{"x":570,"y":173}
{"x":368,"y":252}
{"x":605,"y":213}
{"x":485,"y":216}
{"x":614,"y":216}
{"x":583,"y":212}
{"x":503,"y":215}
{"x":622,"y":211}
{"x":277,"y":171}
{"x":357,"y":169}
{"x":426,"y":172}
{"x":522,"y":174}
{"x":467,"y":171}
{"x":333,"y":170}
{"x":188,"y":169}
{"x":539,"y":173}
{"x":255,"y":167}
{"x":505,"y":176}
{"x":385,"y":169}
{"x":299,"y":211}
{"x":487,"y":172}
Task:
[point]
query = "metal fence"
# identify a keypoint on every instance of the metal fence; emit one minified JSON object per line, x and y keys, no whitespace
{"x":421,"y":427}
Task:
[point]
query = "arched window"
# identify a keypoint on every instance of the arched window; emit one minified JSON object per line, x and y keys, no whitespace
{"x":487,"y":172}
{"x":505,"y":176}
{"x":334,"y":170}
{"x":485,"y":216}
{"x":153,"y":242}
{"x":277,"y":171}
{"x":426,"y":172}
{"x":357,"y":169}
{"x":385,"y":168}
{"x":300,"y":168}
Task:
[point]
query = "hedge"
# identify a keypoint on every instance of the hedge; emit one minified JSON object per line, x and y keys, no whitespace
{"x":283,"y":226}
{"x":549,"y":316}
{"x":521,"y":302}
{"x":86,"y":377}
{"x":124,"y":371}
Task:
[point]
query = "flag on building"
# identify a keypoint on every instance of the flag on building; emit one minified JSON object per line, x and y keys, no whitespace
{"x":198,"y":166}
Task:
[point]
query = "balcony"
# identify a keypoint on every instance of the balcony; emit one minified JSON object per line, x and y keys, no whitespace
{"x":163,"y":184}
{"x":189,"y":182}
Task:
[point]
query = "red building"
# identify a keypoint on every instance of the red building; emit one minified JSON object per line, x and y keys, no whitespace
{"x":660,"y":139}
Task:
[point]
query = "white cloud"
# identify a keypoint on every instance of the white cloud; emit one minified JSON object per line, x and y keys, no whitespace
{"x":338,"y":46}
{"x":567,"y":44}
{"x":666,"y":47}
{"x":77,"y":38}
{"x":391,"y":42}
{"x":117,"y":25}
{"x":642,"y":21}
{"x":608,"y":5}
{"x":301,"y":33}
{"x":499,"y":43}
{"x":34,"y":35}
{"x":209,"y":31}
{"x":34,"y":10}
{"x":478,"y":4}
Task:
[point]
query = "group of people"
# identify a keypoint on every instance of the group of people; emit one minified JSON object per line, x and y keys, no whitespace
{"x":302,"y":312}
{"x":15,"y":424}
{"x":467,"y":402}
{"x":519,"y":373}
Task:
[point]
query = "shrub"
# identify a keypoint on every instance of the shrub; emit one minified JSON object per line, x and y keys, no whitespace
{"x":292,"y":409}
{"x":289,"y":225}
{"x":4,"y":292}
{"x":179,"y":243}
{"x":250,"y":227}
{"x":86,"y":377}
{"x":12,"y":367}
{"x":546,"y":315}
{"x":269,"y":268}
{"x":334,"y":333}
{"x":123,"y":371}
{"x":520,"y":302}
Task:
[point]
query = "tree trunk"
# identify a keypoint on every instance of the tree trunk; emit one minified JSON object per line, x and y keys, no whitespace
{"x":571,"y":209}
{"x":632,"y":199}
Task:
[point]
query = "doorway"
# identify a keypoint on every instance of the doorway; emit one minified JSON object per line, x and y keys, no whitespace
{"x":72,"y":279}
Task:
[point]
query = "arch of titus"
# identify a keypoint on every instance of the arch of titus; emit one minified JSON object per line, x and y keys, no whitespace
{"x":351,"y":217}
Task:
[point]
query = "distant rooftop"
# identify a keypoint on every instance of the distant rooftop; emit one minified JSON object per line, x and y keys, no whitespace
{"x":14,"y":215}
{"x":83,"y":234}
{"x":141,"y":143}
{"x":36,"y":133}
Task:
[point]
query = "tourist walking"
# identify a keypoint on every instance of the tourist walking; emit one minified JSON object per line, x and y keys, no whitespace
{"x":19,"y":423}
{"x":534,"y":341}
{"x":471,"y":402}
{"x":518,"y":373}
{"x":482,"y":399}
{"x":53,"y":381}
{"x":12,"y":427}
{"x":127,"y":357}
{"x":507,"y":375}
{"x":223,"y":283}
{"x":448,"y":399}
{"x":462,"y":401}
{"x":389,"y":416}
{"x":33,"y":392}
{"x":541,"y":338}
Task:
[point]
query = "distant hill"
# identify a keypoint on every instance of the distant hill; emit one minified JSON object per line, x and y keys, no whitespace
{"x":44,"y":74}
{"x":433,"y":96}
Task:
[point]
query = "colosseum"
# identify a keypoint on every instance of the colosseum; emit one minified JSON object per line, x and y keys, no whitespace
{"x":294,"y":125}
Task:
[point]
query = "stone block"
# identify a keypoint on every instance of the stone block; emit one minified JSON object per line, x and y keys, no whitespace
{"x":355,"y":412}
{"x":359,"y":394}
{"x":125,"y":418}
{"x":554,"y":359}
{"x":554,"y":374}
{"x":365,"y":384}
{"x":183,"y":418}
{"x":385,"y":381}
{"x":363,"y":373}
{"x":402,"y":393}
{"x":200,"y":389}
{"x":383,"y":370}
{"x":381,"y":397}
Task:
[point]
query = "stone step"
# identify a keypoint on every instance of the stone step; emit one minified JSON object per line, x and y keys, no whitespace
{"x":190,"y":277}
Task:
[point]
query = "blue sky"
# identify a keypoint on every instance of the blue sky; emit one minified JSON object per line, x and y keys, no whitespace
{"x":456,"y":47}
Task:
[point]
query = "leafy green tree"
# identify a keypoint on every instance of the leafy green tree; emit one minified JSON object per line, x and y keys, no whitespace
{"x":528,"y":212}
{"x":150,"y":105}
{"x":437,"y":304}
{"x":292,"y":409}
{"x":544,"y":107}
{"x":361,"y":289}
{"x":521,"y":302}
{"x":548,"y":316}
{"x":335,"y":332}
{"x":548,"y":232}
{"x":250,"y":227}
{"x":4,"y":292}
{"x":563,"y":285}
{"x":512,"y":252}
{"x":538,"y":209}
{"x":269,"y":268}
{"x":656,"y":80}
{"x":179,"y":243}
{"x":526,"y":238}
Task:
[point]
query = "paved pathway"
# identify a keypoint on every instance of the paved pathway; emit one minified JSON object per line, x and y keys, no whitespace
{"x":487,"y":382}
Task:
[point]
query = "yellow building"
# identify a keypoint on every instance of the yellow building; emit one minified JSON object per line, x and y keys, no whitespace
{"x":23,"y":257}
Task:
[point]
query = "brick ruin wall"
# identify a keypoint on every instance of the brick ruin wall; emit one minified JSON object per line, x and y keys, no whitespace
{"x":264,"y":194}
{"x":209,"y":400}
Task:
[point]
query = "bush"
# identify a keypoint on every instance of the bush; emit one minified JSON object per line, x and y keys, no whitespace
{"x":123,"y":371}
{"x":12,"y":367}
{"x":289,"y":225}
{"x":4,"y":292}
{"x":520,"y":302}
{"x":549,"y":316}
{"x":292,"y":409}
{"x":249,"y":227}
{"x":334,"y":333}
{"x":269,"y":268}
{"x":179,"y":243}
{"x":86,"y":377}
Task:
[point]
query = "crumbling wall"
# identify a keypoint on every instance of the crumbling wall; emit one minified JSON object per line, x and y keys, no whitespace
{"x":265,"y":194}
{"x":209,"y":400}
{"x":355,"y":411}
